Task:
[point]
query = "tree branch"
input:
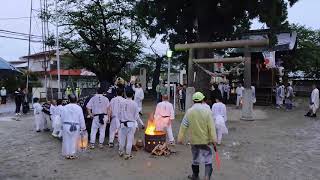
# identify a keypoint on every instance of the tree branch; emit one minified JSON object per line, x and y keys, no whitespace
{"x":153,"y":50}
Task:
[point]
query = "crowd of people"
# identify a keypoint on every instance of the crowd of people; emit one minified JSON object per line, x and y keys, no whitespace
{"x":284,"y":96}
{"x":121,"y":111}
{"x":69,"y":120}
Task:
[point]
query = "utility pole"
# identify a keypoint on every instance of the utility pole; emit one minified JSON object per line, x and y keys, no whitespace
{"x":29,"y":53}
{"x":169,"y":55}
{"x":57,"y":49}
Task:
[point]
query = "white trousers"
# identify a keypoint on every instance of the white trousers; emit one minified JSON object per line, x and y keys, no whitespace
{"x":238,"y":100}
{"x":169,"y":133}
{"x":38,"y":118}
{"x":139,"y":103}
{"x":126,"y":134}
{"x":46,"y":121}
{"x":114,"y":126}
{"x":56,"y":125}
{"x":279,"y":100}
{"x":70,"y":140}
{"x":94,"y":129}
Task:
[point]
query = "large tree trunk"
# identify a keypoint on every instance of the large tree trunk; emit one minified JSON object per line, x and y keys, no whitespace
{"x":156,"y":74}
{"x":202,"y":79}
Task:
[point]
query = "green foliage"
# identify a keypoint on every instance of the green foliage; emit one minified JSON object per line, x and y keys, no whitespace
{"x":307,"y":56}
{"x":13,"y":82}
{"x":101,"y":35}
{"x":208,"y":20}
{"x":188,"y":21}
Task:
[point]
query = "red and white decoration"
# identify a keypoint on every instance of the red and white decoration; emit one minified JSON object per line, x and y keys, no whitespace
{"x":269,"y":59}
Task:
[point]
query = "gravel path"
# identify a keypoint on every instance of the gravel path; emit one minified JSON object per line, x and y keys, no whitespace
{"x":278,"y":146}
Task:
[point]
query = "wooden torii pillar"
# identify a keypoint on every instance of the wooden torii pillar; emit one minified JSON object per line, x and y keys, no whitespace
{"x":247,"y":111}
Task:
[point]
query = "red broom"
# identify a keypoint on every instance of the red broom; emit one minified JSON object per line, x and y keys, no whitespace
{"x":217,"y":157}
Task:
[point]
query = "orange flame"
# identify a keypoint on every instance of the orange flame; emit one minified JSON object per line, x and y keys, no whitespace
{"x":151,"y":127}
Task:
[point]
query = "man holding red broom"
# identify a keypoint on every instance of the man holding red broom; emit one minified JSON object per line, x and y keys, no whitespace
{"x":198,"y":119}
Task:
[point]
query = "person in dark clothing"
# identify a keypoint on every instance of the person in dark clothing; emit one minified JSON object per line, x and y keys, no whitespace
{"x":18,"y":99}
{"x":128,"y":88}
{"x":182,"y":98}
{"x":111,"y":93}
{"x":215,"y":93}
{"x":87,"y":118}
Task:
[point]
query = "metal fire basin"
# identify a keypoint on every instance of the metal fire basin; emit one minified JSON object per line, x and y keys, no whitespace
{"x":151,"y":141}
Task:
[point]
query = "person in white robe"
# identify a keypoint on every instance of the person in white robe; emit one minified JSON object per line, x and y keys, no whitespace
{"x":282,"y":93}
{"x":37,"y":111}
{"x":219,"y":112}
{"x":314,"y":102}
{"x":129,"y":118}
{"x":54,"y":116}
{"x":220,"y":87}
{"x":115,"y":105}
{"x":163,"y":117}
{"x":289,"y":97}
{"x":55,"y":111}
{"x":138,"y":96}
{"x":253,"y":91}
{"x":98,"y":108}
{"x":239,"y":92}
{"x":73,"y":122}
{"x":279,"y":99}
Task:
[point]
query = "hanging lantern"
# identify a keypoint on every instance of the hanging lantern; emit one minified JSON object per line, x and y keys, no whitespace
{"x":83,"y":140}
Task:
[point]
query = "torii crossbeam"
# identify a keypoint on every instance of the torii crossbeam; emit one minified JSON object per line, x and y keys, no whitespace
{"x":247,"y":110}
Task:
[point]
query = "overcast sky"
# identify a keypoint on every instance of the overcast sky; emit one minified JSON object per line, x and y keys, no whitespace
{"x":305,"y":12}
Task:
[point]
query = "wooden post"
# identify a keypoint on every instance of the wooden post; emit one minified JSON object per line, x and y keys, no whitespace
{"x":247,"y":110}
{"x":190,"y":68}
{"x":190,"y":89}
{"x":247,"y":68}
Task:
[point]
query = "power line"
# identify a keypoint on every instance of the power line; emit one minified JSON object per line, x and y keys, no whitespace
{"x":18,"y":38}
{"x":18,"y":33}
{"x":12,"y":18}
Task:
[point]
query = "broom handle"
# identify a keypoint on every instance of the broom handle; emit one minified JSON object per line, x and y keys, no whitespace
{"x":215,"y":147}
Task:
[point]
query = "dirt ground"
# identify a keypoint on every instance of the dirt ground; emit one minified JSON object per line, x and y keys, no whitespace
{"x":278,"y":145}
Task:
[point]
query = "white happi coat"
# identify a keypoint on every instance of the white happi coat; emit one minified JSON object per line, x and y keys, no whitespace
{"x":37,"y":111}
{"x":130,"y":112}
{"x":115,"y":106}
{"x":314,"y":104}
{"x":163,"y":115}
{"x":219,"y":112}
{"x":138,"y":97}
{"x":129,"y":122}
{"x":98,"y":104}
{"x":71,"y":115}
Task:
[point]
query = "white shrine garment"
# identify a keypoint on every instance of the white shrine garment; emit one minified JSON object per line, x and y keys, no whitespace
{"x":163,"y":117}
{"x":115,"y":106}
{"x":72,"y":120}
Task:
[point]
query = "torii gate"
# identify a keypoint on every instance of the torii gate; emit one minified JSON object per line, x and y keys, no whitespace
{"x":246,"y":44}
